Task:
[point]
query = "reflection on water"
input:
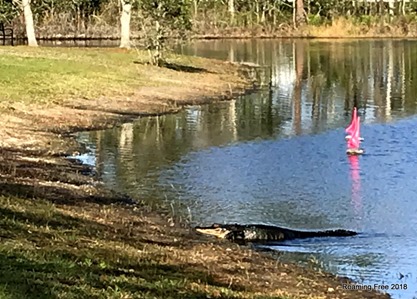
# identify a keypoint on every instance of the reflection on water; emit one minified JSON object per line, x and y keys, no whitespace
{"x":356,"y":185}
{"x":377,"y":75}
{"x":278,"y":156}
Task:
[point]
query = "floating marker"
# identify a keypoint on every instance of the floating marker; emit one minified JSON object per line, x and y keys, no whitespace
{"x":354,"y":141}
{"x":352,"y":124}
{"x":349,"y":130}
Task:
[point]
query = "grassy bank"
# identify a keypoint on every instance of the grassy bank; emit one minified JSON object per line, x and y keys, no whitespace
{"x":91,"y":250}
{"x":61,"y":90}
{"x":56,"y":76}
{"x":64,"y":235}
{"x":98,"y":251}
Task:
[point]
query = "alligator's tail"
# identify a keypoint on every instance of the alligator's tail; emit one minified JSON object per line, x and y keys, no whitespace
{"x":328,"y":233}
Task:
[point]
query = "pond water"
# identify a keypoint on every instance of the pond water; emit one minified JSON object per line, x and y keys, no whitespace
{"x":277,"y":156}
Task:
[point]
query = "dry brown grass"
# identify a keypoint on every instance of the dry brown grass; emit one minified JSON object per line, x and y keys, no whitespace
{"x":340,"y":27}
{"x":367,"y":27}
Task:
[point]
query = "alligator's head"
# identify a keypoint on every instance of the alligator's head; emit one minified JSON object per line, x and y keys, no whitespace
{"x":222,"y":231}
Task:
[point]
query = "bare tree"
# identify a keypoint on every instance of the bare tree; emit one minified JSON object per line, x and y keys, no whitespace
{"x":125,"y":24}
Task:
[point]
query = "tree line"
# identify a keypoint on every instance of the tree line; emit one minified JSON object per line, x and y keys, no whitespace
{"x":220,"y":13}
{"x":154,"y":20}
{"x":159,"y":18}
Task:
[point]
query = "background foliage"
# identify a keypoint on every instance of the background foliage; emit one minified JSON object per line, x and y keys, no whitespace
{"x":101,"y":17}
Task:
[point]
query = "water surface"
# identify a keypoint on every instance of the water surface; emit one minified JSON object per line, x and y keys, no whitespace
{"x":278,"y":156}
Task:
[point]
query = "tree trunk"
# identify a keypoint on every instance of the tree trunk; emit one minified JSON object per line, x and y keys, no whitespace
{"x":158,"y":58}
{"x":381,"y":8}
{"x":402,"y":11}
{"x":391,"y":5}
{"x":125,"y":24}
{"x":231,"y":8}
{"x":30,"y":28}
{"x":299,"y":13}
{"x":195,"y":5}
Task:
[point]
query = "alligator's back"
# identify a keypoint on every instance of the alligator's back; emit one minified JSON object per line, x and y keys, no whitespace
{"x":262,"y":232}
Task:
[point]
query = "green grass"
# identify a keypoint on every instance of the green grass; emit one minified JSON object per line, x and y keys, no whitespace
{"x":51,"y":75}
{"x":46,"y":252}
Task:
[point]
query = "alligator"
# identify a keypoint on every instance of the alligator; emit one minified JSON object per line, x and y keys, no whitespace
{"x":259,"y":233}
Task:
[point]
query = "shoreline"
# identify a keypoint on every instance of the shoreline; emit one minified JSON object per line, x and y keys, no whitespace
{"x":33,"y":165}
{"x":230,"y":37}
{"x":340,"y":28}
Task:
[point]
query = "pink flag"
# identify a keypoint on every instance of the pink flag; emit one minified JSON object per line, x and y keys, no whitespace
{"x":354,"y":141}
{"x":352,"y":124}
